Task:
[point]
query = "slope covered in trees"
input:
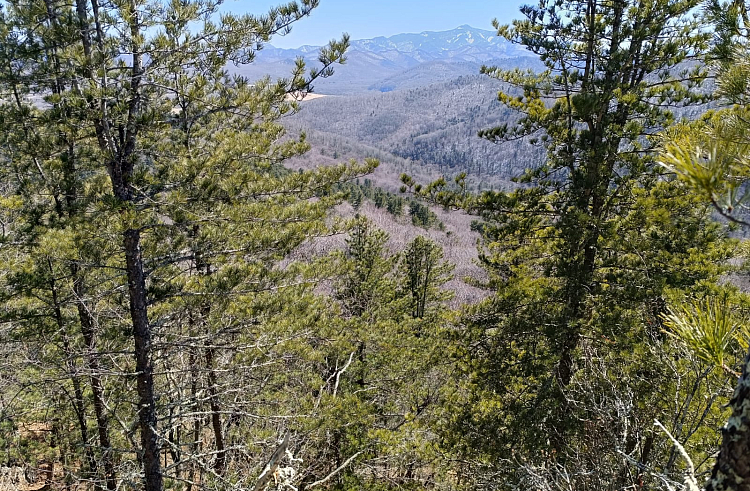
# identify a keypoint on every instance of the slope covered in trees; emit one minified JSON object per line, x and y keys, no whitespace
{"x":434,"y":125}
{"x":584,"y":261}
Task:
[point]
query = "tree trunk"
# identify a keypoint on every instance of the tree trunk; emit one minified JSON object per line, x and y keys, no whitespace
{"x":80,"y":405}
{"x":196,"y":443}
{"x":80,"y":410}
{"x":97,"y":387}
{"x":732,"y":468}
{"x":143,"y":363}
{"x":220,"y":463}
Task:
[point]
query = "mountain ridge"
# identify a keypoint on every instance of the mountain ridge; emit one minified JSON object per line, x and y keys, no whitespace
{"x":432,"y":43}
{"x":372,"y":61}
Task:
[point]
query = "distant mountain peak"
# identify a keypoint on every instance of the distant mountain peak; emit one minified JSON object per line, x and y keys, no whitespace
{"x":376,"y":60}
{"x":464,"y":43}
{"x":395,"y":41}
{"x":436,"y":45}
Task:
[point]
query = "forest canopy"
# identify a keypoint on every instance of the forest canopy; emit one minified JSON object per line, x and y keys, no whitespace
{"x":183,"y":308}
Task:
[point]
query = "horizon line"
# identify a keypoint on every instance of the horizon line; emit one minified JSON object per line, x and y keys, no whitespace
{"x":385,"y":37}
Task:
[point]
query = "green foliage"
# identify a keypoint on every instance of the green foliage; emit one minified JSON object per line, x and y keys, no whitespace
{"x":709,"y":328}
{"x":440,"y":192}
{"x":385,"y":371}
{"x":144,"y":134}
{"x":711,"y":154}
{"x":395,"y":205}
{"x":424,"y":273}
{"x":366,"y":280}
{"x":584,"y":256}
{"x":146,"y":157}
{"x":421,"y":216}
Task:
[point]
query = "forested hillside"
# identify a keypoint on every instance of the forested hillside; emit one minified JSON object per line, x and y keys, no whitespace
{"x":435,"y":125}
{"x":425,"y":279}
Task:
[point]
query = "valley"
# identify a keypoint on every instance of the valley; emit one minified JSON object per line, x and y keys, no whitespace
{"x":413,"y":100}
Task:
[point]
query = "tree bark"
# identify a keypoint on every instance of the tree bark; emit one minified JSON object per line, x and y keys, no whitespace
{"x":220,"y":463}
{"x":143,"y":363}
{"x":731,"y":471}
{"x":97,"y":387}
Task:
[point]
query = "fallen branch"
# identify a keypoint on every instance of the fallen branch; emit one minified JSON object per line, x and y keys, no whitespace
{"x":336,"y":471}
{"x":272,"y":465}
{"x":691,"y":483}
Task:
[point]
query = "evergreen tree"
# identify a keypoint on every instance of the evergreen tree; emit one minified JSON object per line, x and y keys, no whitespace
{"x":421,"y":216}
{"x":356,"y":196}
{"x":423,"y":274}
{"x":366,"y":283}
{"x":395,"y":205}
{"x":712,"y":155}
{"x":386,"y":363}
{"x":584,"y":256}
{"x":145,"y":142}
{"x":381,"y":198}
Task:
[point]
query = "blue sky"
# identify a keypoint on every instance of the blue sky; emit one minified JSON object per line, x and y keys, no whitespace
{"x":364,"y":19}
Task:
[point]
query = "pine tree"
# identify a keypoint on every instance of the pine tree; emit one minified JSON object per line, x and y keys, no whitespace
{"x":169,"y":152}
{"x":712,"y":155}
{"x":386,"y":365}
{"x":424,"y":274}
{"x":421,"y":216}
{"x":395,"y":205}
{"x":584,"y":255}
{"x":366,"y":283}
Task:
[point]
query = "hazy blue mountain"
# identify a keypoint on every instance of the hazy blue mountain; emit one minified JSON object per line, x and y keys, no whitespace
{"x":434,"y":72}
{"x":464,"y":43}
{"x":418,"y":59}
